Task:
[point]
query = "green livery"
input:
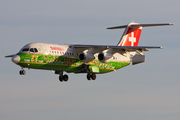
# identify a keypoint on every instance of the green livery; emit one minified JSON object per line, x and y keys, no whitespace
{"x":58,"y":63}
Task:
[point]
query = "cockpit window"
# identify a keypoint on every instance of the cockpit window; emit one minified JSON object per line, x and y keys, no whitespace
{"x":35,"y":50}
{"x":31,"y":50}
{"x":25,"y":49}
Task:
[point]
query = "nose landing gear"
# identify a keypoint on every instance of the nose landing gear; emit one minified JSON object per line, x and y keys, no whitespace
{"x":22,"y":72}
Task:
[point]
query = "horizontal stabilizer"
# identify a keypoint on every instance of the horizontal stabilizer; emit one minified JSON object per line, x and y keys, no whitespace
{"x":140,"y":25}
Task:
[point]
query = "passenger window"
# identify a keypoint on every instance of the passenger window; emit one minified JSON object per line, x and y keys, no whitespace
{"x":35,"y":50}
{"x":31,"y":50}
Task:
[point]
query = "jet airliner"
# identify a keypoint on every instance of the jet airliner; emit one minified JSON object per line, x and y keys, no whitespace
{"x":89,"y":59}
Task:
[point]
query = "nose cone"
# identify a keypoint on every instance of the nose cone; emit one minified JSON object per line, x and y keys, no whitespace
{"x":15,"y":59}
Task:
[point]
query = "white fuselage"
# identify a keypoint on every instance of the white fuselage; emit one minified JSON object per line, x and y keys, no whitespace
{"x":66,"y":51}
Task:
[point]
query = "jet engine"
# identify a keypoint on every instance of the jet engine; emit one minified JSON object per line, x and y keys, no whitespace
{"x":138,"y":59}
{"x":86,"y":57}
{"x":104,"y":57}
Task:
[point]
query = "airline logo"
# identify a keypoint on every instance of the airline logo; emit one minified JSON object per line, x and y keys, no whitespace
{"x":57,"y":48}
{"x":131,"y":37}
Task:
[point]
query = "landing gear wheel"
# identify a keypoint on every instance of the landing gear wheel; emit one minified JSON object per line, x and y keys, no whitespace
{"x":61,"y":79}
{"x":93,"y":76}
{"x":22,"y":72}
{"x":65,"y":77}
{"x":89,"y":76}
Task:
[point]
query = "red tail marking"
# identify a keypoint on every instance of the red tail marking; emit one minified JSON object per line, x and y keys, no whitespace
{"x":131,"y":38}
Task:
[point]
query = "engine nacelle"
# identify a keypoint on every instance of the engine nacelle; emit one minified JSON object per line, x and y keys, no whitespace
{"x":138,"y":59}
{"x":86,"y":57}
{"x":104,"y":57}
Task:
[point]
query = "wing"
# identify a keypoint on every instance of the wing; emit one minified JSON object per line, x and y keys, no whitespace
{"x":126,"y":48}
{"x":99,"y":48}
{"x":9,"y":56}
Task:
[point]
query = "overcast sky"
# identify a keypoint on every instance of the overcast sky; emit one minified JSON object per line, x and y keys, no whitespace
{"x":148,"y":91}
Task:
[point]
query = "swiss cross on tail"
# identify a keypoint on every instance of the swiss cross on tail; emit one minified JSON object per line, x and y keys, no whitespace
{"x":132,"y":39}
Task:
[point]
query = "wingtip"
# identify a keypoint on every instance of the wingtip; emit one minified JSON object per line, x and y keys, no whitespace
{"x":161,"y":47}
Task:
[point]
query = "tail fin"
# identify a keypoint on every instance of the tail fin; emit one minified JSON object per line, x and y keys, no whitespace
{"x":132,"y":33}
{"x":131,"y":36}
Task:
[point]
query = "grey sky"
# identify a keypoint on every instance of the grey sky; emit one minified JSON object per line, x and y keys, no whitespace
{"x":148,"y":91}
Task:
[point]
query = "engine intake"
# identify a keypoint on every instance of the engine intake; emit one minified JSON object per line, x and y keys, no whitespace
{"x":104,"y":57}
{"x":101,"y":56}
{"x":82,"y":57}
{"x":86,"y":57}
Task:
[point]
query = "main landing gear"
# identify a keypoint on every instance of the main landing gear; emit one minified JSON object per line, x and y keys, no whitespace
{"x":91,"y":76}
{"x":22,"y":72}
{"x":85,"y":69}
{"x":63,"y":77}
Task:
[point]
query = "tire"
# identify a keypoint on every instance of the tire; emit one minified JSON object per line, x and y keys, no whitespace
{"x":65,"y":77}
{"x":61,"y":79}
{"x":23,"y":72}
{"x":20,"y":72}
{"x":88,"y":76}
{"x":93,"y":76}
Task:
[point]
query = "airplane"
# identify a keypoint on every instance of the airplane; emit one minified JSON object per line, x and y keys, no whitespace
{"x":89,"y":59}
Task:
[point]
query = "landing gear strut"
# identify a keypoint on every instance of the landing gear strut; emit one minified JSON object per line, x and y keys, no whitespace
{"x":63,"y":77}
{"x":22,"y":72}
{"x":91,"y":76}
